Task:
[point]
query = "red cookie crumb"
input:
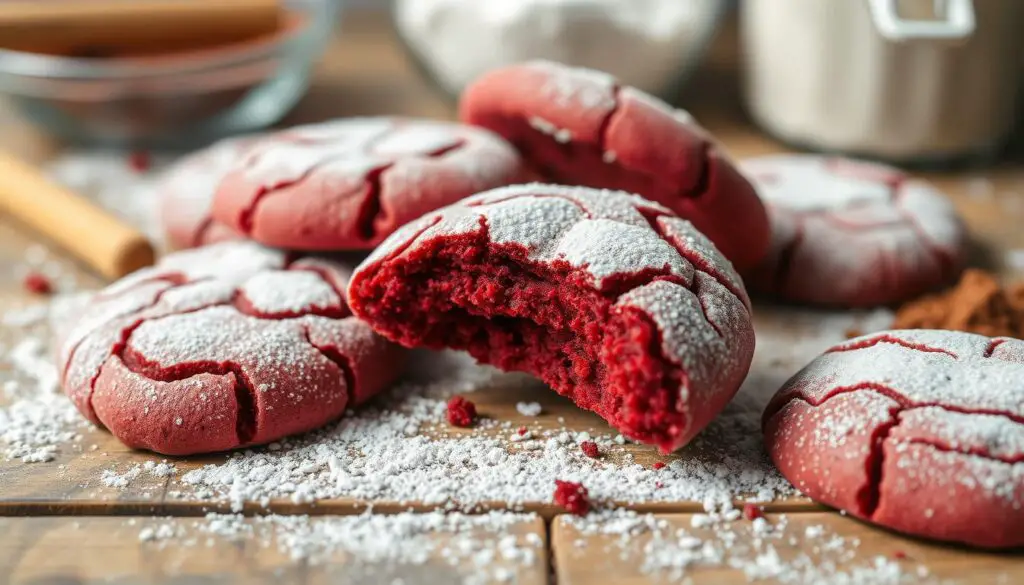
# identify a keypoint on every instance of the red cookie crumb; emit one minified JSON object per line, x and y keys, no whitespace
{"x":752,"y":511}
{"x":590,"y":449}
{"x":899,"y":555}
{"x":572,"y":496}
{"x":658,"y":464}
{"x":139,"y":161}
{"x":461,"y":412}
{"x":37,"y":283}
{"x":521,"y":431}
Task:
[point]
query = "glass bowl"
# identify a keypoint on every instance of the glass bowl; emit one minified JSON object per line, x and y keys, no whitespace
{"x":452,"y":42}
{"x":172,"y":100}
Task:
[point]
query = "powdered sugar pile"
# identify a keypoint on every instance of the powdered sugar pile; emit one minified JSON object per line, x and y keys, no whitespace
{"x":777,"y":549}
{"x":37,"y":419}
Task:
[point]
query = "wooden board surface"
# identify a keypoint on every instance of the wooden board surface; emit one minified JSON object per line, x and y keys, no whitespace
{"x":139,"y":550}
{"x":992,"y":203}
{"x":799,"y":548}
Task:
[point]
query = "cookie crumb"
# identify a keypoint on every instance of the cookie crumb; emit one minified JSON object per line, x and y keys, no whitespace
{"x":658,"y":465}
{"x":590,"y":449}
{"x":37,"y":283}
{"x":752,"y":512}
{"x":521,"y":431}
{"x":899,"y":555}
{"x":140,"y":161}
{"x":461,"y":412}
{"x":572,"y":496}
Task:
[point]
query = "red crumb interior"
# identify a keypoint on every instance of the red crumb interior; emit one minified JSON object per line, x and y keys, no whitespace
{"x":506,"y":310}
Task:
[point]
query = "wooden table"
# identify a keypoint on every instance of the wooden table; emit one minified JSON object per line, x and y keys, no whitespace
{"x":57,"y":525}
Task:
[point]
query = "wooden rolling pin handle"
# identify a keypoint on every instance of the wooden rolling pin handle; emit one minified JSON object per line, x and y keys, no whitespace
{"x":76,"y":224}
{"x":133,"y":25}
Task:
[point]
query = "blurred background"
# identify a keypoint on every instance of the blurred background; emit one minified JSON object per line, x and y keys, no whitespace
{"x":916,"y":82}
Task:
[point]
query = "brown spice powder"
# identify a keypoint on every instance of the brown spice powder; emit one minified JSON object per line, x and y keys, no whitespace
{"x":977,"y":304}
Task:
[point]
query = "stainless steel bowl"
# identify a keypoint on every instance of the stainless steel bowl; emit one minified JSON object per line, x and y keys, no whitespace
{"x":176,"y":99}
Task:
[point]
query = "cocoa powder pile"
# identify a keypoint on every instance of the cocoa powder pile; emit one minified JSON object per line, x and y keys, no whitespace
{"x":978,"y":304}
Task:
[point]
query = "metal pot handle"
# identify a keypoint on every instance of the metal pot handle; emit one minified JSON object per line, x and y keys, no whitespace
{"x":956,"y":21}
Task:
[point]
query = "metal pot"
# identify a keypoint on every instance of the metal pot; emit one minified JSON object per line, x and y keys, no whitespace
{"x":906,"y":81}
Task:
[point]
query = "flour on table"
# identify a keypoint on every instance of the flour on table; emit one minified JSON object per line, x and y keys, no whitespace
{"x":666,"y":552}
{"x":467,"y":549}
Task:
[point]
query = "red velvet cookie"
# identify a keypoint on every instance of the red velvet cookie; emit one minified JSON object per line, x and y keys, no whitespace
{"x":346,"y":185}
{"x":852,"y":234}
{"x":221,"y":347}
{"x":582,"y":127}
{"x":186,"y":195}
{"x":919,"y":431}
{"x":609,"y":298}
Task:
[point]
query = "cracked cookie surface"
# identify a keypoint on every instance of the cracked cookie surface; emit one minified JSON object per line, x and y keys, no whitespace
{"x":920,"y":431}
{"x":850,"y":233}
{"x":609,"y":298}
{"x":221,"y":347}
{"x":186,"y":192}
{"x":582,"y":127}
{"x":347,"y":184}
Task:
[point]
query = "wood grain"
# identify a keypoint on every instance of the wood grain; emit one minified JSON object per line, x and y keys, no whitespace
{"x":821,"y":547}
{"x":366,"y":74}
{"x":109,"y":550}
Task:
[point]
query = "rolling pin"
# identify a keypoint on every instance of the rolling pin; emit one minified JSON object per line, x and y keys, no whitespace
{"x":101,"y":27}
{"x":76,"y":224}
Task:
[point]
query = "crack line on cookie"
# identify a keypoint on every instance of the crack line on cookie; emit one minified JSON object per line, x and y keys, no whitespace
{"x":992,"y":345}
{"x":696,"y":290}
{"x":370,"y":209}
{"x":870,"y":495}
{"x":333,"y":354}
{"x":891,"y":339}
{"x":245,"y":216}
{"x":124,"y":334}
{"x":700,"y":265}
{"x":891,"y":393}
{"x":247,"y":417}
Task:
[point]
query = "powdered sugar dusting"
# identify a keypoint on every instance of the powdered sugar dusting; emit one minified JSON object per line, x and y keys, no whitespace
{"x":931,"y":422}
{"x":386,"y":454}
{"x":184,"y":315}
{"x":282,"y":291}
{"x":496,"y":547}
{"x":782,"y":549}
{"x":866,"y":231}
{"x":577,"y":87}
